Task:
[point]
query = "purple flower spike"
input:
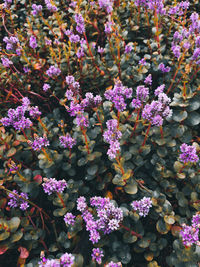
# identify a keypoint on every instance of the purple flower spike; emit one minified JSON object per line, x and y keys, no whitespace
{"x":51,"y":185}
{"x":67,"y":141}
{"x":142,"y":206}
{"x":15,"y":201}
{"x":97,"y":255}
{"x":69,"y":218}
{"x":190,"y":235}
{"x":188,"y":153}
{"x":67,"y":260}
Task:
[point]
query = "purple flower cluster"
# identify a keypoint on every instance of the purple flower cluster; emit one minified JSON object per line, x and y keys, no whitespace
{"x":16,"y":117}
{"x":158,"y":110}
{"x":142,"y":206}
{"x":6,"y":62}
{"x":114,"y":264}
{"x":108,"y":28}
{"x":196,"y":220}
{"x":152,"y":4}
{"x":142,"y":94}
{"x":51,"y":185}
{"x":142,"y":62}
{"x":190,"y":235}
{"x":148,"y":79}
{"x":46,"y":87}
{"x":118,"y":94}
{"x":67,"y":141}
{"x":163,"y":68}
{"x":128,"y":49}
{"x":97,"y":255}
{"x":179,"y":8}
{"x":39,"y":142}
{"x":111,"y":136}
{"x":36,"y":9}
{"x":91,"y":101}
{"x":106,"y":4}
{"x":66,"y":260}
{"x":53,"y":71}
{"x":188,"y":153}
{"x":69,"y":218}
{"x":11,"y":42}
{"x":16,"y":201}
{"x":108,"y":217}
{"x":33,"y":42}
{"x":50,"y":6}
{"x":74,"y":87}
{"x":80,"y":27}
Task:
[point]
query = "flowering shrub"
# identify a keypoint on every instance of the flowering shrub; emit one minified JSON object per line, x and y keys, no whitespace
{"x":99,"y":125}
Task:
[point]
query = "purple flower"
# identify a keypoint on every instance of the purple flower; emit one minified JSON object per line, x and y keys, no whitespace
{"x":36,"y":9}
{"x":69,"y":218}
{"x":100,"y":50}
{"x":80,"y":23}
{"x":114,"y":264}
{"x":142,"y":62}
{"x":188,"y":153}
{"x":17,"y":119}
{"x":39,"y":142}
{"x":53,"y":71}
{"x":157,"y":110}
{"x":50,"y":6}
{"x":148,"y":79}
{"x":81,"y":120}
{"x":34,"y":112}
{"x":6,"y":62}
{"x":142,"y":206}
{"x":136,"y":103}
{"x":46,"y":87}
{"x":106,"y":4}
{"x":33,"y":42}
{"x":51,"y":185}
{"x":74,"y":38}
{"x":67,"y":141}
{"x":11,"y":42}
{"x":97,"y":255}
{"x":128,"y":49}
{"x":196,"y":220}
{"x":16,"y":201}
{"x":176,"y":50}
{"x":190,"y":235}
{"x":112,"y":134}
{"x":159,"y":90}
{"x":118,"y":94}
{"x":81,"y":204}
{"x":163,"y":68}
{"x":90,"y":101}
{"x":108,"y":28}
{"x":67,"y":260}
{"x":26,"y":69}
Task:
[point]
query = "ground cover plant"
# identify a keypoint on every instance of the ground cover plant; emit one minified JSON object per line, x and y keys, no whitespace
{"x":99,"y":133}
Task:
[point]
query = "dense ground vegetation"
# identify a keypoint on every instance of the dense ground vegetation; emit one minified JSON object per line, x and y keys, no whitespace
{"x":99,"y":133}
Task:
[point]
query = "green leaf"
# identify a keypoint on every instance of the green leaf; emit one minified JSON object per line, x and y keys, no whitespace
{"x":13,"y":224}
{"x":193,"y":119}
{"x":11,"y":152}
{"x":16,"y":236}
{"x":131,"y":188}
{"x":179,"y":115}
{"x":4,"y":236}
{"x":59,"y":212}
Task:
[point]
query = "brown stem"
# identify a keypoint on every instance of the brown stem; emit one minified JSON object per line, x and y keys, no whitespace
{"x":136,"y":123}
{"x":146,"y":135}
{"x":61,"y":199}
{"x":131,"y":231}
{"x":86,"y":141}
